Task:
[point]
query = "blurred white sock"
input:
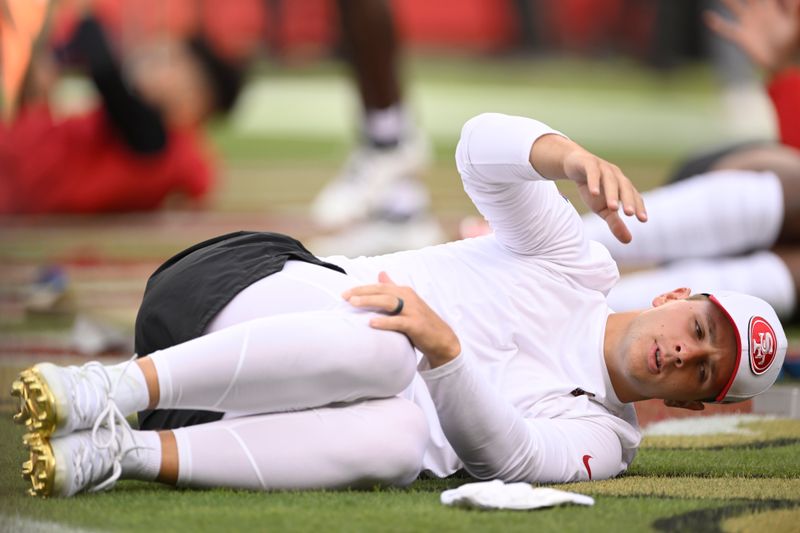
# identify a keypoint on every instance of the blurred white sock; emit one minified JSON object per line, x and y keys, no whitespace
{"x":386,"y":127}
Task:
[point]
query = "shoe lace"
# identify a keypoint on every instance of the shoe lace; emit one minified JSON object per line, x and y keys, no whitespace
{"x":93,"y":461}
{"x":91,"y":385}
{"x":110,"y":417}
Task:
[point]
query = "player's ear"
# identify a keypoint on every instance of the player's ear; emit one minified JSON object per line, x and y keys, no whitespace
{"x":676,"y":294}
{"x":693,"y":405}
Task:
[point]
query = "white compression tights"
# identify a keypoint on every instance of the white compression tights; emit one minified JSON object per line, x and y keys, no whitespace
{"x":318,"y":383}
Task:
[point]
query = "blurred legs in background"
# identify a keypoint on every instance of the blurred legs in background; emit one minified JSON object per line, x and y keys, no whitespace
{"x":744,"y":230}
{"x":377,"y":203}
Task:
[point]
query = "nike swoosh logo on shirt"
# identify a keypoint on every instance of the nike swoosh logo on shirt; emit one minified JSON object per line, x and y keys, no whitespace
{"x":586,"y":464}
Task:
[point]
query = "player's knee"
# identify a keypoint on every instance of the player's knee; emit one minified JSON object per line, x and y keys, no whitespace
{"x":402,"y":442}
{"x":390,"y":362}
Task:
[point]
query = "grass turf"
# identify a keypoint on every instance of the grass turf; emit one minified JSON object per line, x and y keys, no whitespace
{"x":706,"y":489}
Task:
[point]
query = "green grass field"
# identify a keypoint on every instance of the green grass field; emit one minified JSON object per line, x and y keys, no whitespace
{"x":670,"y":488}
{"x":275,"y":153}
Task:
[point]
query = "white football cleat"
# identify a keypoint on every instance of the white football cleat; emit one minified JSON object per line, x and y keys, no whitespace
{"x":365,"y":185}
{"x":65,"y":466}
{"x":56,"y":400}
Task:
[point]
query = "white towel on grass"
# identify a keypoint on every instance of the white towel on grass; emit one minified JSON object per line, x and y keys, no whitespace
{"x":513,"y":496}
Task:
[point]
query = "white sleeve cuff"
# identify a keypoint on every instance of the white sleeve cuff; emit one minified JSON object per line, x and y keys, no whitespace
{"x":433,"y":374}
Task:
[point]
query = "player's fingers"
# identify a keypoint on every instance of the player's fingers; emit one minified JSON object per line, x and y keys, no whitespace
{"x":383,"y":277}
{"x":627,"y":192}
{"x":618,"y":227}
{"x":365,"y":290}
{"x":593,"y":178}
{"x":611,"y":189}
{"x":391,"y":323}
{"x":385,"y":286}
{"x":641,"y":209}
{"x":387,"y":303}
{"x":361,"y":290}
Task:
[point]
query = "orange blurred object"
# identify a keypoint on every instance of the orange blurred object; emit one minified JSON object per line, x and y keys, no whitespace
{"x":20,"y":24}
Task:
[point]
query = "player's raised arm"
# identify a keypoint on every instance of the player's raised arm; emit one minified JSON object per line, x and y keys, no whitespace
{"x":506,"y":163}
{"x":602,"y":185}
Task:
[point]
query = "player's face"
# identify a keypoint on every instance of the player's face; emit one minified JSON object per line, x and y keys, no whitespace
{"x":680,"y":350}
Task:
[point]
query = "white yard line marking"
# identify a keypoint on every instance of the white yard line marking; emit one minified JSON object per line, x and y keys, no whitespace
{"x":29,"y":525}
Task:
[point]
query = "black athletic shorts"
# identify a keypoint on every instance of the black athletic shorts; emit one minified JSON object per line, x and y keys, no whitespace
{"x":185,"y":294}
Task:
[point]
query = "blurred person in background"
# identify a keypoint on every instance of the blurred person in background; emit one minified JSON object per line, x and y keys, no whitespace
{"x":740,"y":206}
{"x":377,"y":203}
{"x":139,"y":147}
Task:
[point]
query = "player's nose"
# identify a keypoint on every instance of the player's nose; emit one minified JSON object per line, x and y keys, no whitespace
{"x":684,"y":353}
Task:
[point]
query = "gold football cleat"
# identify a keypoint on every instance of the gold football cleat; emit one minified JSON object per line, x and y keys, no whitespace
{"x":40,"y":468}
{"x":36,"y":406}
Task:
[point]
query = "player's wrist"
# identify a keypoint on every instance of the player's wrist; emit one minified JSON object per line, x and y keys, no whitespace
{"x":549,"y":153}
{"x":444,"y":355}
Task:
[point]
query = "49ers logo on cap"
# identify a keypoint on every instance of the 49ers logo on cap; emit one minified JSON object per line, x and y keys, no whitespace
{"x":762,"y":345}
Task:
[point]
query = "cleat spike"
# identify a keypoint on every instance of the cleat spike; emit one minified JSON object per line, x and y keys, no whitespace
{"x":17,"y":391}
{"x":35,"y":405}
{"x":40,"y":468}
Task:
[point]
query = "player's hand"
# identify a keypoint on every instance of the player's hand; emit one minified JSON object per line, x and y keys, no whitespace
{"x":766,"y":30}
{"x":425,"y":329}
{"x":602,"y":185}
{"x":604,"y":189}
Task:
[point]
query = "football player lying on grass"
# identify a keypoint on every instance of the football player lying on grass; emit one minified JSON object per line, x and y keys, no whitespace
{"x":263,"y":367}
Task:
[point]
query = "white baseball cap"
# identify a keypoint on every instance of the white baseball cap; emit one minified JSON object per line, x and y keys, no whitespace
{"x":760,"y":345}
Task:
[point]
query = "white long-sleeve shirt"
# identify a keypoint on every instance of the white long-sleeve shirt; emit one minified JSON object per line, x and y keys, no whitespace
{"x":528,"y":306}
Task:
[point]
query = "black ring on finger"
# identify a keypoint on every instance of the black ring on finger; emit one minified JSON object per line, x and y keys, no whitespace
{"x":397,"y":310}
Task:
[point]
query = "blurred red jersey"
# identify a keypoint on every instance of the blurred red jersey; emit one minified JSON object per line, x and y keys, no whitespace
{"x":784,"y":90}
{"x":81,"y":165}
